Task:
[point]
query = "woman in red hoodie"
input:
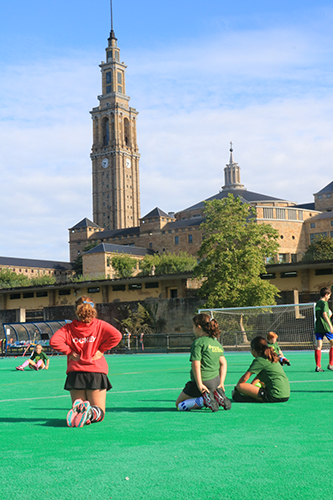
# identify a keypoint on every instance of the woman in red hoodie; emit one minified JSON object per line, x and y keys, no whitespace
{"x":84,"y":341}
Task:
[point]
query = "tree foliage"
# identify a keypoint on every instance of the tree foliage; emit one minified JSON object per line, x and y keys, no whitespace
{"x":123,"y":265}
{"x":138,"y":321}
{"x":169,"y":263}
{"x":320,"y":249}
{"x":233,"y":254}
{"x":9,"y":279}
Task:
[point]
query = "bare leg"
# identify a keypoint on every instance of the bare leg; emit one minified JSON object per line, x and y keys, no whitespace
{"x":249,"y":390}
{"x":97,"y":398}
{"x":78,"y":394}
{"x":182,"y":397}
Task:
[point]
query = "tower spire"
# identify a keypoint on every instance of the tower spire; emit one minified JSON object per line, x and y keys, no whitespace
{"x":232,"y":174}
{"x":112,"y":33}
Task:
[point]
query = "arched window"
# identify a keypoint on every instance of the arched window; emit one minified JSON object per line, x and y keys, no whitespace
{"x":127,"y":132}
{"x":105,"y":131}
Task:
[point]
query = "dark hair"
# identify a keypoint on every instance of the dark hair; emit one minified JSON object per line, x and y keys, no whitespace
{"x":324,"y":291}
{"x":85,"y":309}
{"x":259,"y":344}
{"x":209,"y":326}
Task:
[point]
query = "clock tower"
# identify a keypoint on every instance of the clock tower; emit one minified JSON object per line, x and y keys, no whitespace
{"x":115,"y":154}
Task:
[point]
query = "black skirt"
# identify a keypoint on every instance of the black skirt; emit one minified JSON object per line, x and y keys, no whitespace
{"x":87,"y":380}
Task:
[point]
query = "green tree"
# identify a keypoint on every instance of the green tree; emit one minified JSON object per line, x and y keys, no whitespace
{"x":320,"y":249}
{"x":169,"y":263}
{"x":42,"y":280}
{"x":9,"y":279}
{"x":233,"y":255}
{"x":138,"y":321}
{"x":123,"y":265}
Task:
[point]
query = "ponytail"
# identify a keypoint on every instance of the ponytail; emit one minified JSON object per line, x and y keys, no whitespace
{"x":209,"y":326}
{"x":259,"y":344}
{"x":85,"y":309}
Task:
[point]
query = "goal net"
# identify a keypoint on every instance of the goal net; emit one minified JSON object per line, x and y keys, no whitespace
{"x":293,"y":323}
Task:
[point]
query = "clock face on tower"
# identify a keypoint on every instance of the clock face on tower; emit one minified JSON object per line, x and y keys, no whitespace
{"x":105,"y":163}
{"x":128,"y":163}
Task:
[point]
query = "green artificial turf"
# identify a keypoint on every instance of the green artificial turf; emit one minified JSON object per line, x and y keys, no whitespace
{"x":145,"y":449}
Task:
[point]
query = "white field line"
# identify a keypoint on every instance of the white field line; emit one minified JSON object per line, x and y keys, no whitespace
{"x":147,"y":390}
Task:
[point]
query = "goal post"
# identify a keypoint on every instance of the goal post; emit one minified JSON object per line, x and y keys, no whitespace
{"x":293,"y":323}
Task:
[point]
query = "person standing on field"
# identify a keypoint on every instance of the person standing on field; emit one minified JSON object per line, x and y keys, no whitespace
{"x":323,"y":328}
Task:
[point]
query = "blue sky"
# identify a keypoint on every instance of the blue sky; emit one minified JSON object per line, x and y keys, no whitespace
{"x":200,"y":74}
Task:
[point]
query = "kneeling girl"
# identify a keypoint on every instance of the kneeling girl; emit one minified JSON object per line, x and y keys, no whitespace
{"x":208,"y":369}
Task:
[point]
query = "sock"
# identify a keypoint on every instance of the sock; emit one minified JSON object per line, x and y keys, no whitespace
{"x":318,"y":357}
{"x":331,"y":356}
{"x":39,"y":363}
{"x":191,"y":404}
{"x":25,"y":363}
{"x":97,"y":414}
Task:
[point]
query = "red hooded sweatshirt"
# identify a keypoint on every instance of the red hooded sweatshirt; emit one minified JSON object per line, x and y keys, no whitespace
{"x":86,"y":339}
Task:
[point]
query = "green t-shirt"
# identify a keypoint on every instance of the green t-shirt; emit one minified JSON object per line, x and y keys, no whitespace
{"x":36,"y":357}
{"x":275,"y":346}
{"x":208,"y":351}
{"x":273,"y":376}
{"x":321,"y":326}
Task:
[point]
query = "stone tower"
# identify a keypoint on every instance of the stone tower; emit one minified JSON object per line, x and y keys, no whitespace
{"x":115,"y":155}
{"x":232,"y":174}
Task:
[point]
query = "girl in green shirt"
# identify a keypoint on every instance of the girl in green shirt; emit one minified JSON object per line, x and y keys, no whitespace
{"x":270,"y":385}
{"x":208,"y":369}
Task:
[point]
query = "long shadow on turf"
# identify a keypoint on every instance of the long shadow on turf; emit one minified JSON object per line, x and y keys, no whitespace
{"x":119,"y":409}
{"x":52,"y":422}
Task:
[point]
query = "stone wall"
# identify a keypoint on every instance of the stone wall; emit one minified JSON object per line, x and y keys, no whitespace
{"x":169,"y":315}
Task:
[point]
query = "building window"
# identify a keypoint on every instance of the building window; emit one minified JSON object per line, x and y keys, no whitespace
{"x":28,"y":295}
{"x":320,"y":196}
{"x":292,"y":214}
{"x":282,"y":257}
{"x":176,"y":240}
{"x":268,"y":276}
{"x":280,"y":213}
{"x":289,"y":274}
{"x":153,"y":284}
{"x":93,"y":290}
{"x":300,"y":215}
{"x":41,"y":294}
{"x":294,"y":258}
{"x":268,"y":213}
{"x":190,"y":238}
{"x":173,"y":293}
{"x":313,"y":225}
{"x":119,"y":288}
{"x":313,"y":236}
{"x":328,"y":195}
{"x":14,"y":296}
{"x":321,"y":272}
{"x":135,"y":286}
{"x":64,"y":292}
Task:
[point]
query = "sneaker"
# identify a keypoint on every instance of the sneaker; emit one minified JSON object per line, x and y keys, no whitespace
{"x":84,"y":414}
{"x":35,"y":367}
{"x":72,"y":414}
{"x":330,"y":367}
{"x":20,"y":368}
{"x":210,"y":401}
{"x":222,"y":399}
{"x":319,"y":369}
